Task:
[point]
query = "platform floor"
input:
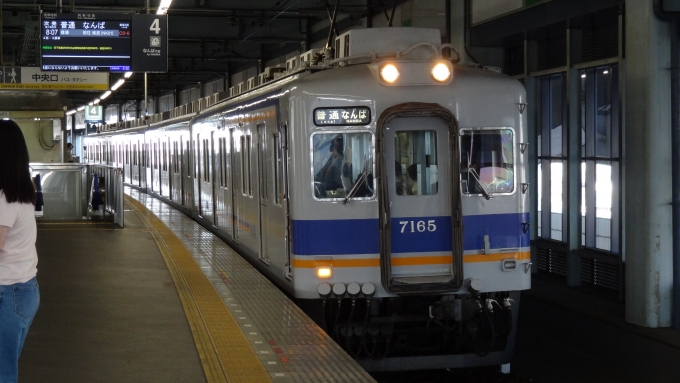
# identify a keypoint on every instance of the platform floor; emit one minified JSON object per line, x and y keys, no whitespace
{"x":166,"y":303}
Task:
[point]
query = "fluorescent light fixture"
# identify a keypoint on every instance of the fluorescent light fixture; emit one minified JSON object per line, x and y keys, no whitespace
{"x":105,"y":95}
{"x":90,"y":103}
{"x":605,"y":72}
{"x":163,"y":7}
{"x":81,"y":108}
{"x":70,"y":112}
{"x":118,"y":84}
{"x":96,"y":100}
{"x":128,"y":74}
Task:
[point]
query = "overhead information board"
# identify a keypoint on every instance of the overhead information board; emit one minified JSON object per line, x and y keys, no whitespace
{"x":16,"y":77}
{"x":150,"y":43}
{"x":94,"y":113}
{"x":103,"y":42}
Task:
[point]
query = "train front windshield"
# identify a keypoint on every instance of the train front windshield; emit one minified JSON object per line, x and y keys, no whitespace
{"x":342,"y":163}
{"x":487,"y":161}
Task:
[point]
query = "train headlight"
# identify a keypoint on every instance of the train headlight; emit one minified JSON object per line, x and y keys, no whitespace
{"x":324,"y":272}
{"x":389,"y":73}
{"x":441,"y":72}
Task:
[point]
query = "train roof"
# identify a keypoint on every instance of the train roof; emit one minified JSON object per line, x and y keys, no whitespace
{"x":353,"y":48}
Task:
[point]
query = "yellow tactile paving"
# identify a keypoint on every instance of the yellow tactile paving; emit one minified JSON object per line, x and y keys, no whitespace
{"x":224,"y":350}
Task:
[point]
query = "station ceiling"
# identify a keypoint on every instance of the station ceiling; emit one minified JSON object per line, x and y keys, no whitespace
{"x":207,"y":38}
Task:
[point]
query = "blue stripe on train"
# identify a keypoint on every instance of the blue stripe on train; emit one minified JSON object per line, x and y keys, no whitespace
{"x":361,"y":236}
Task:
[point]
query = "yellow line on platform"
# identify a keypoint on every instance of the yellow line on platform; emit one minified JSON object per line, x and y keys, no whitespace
{"x":224,"y":350}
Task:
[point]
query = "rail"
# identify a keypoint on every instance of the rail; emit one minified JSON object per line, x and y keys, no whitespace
{"x":68,"y":191}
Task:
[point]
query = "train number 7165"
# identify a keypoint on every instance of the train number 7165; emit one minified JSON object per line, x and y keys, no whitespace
{"x":420,"y":226}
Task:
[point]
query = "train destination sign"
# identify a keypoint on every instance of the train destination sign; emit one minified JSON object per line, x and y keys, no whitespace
{"x":360,"y":115}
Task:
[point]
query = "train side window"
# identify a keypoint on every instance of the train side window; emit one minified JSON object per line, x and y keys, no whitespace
{"x":263,"y":174}
{"x":223,"y":162}
{"x":415,"y":164}
{"x":249,"y":164}
{"x":164,"y":164}
{"x":155,"y":156}
{"x":243,"y":165}
{"x":206,"y":174}
{"x":487,"y":161}
{"x":342,"y":165}
{"x":196,"y":157}
{"x":277,"y":169}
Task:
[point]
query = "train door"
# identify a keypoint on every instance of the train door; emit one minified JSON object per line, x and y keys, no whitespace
{"x":233,"y":161}
{"x":422,"y":249}
{"x":222,"y":186}
{"x":263,"y":176}
{"x":185,"y":170}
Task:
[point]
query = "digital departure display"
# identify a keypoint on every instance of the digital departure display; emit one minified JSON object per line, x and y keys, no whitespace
{"x":86,"y":42}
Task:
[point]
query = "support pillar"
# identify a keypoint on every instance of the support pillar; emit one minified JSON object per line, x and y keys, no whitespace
{"x":647,"y":189}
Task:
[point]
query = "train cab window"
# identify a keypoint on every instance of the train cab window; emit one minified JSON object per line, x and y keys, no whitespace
{"x":415,"y":164}
{"x":342,"y":165}
{"x":487,"y":161}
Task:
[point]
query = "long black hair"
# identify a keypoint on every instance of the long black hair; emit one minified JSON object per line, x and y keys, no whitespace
{"x":15,"y":180}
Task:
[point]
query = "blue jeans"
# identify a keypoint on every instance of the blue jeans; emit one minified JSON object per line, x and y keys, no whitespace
{"x":18,"y":304}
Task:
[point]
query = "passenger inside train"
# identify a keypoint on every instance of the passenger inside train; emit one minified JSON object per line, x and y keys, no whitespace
{"x":343,"y":166}
{"x":329,"y":178}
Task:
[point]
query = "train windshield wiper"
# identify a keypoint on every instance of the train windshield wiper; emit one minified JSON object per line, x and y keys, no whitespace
{"x":485,"y":191}
{"x":355,"y":188}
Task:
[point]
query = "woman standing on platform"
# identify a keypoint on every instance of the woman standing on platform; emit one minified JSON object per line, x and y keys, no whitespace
{"x":19,"y":295}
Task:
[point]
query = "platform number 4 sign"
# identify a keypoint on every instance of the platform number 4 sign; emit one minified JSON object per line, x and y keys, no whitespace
{"x":149,"y":49}
{"x":156,"y":26}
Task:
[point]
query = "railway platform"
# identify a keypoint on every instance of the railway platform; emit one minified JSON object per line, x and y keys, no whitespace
{"x":163,"y":300}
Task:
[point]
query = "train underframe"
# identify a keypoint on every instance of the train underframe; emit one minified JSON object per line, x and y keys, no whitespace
{"x":421,"y":332}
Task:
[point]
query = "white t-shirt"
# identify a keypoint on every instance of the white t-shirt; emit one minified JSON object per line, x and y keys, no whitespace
{"x":18,"y":258}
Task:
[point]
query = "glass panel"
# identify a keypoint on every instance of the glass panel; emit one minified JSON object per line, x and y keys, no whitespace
{"x":540,"y":195}
{"x":603,"y":86}
{"x":487,"y":157}
{"x":556,"y":200}
{"x":249,"y":157}
{"x":342,"y":162}
{"x":277,"y":171}
{"x":244,"y":189}
{"x":603,"y":205}
{"x":416,"y":162}
{"x":556,"y":117}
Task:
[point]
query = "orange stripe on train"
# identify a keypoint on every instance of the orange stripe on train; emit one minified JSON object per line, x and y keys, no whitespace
{"x":409,"y":261}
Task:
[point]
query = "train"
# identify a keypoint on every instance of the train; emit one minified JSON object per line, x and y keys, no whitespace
{"x":381,"y":183}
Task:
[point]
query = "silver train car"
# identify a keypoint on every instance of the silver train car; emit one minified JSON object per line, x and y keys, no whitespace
{"x":385,"y":189}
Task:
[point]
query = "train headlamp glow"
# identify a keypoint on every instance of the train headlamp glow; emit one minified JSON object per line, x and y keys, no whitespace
{"x":441,"y":72}
{"x":389,"y":73}
{"x":324,"y":272}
